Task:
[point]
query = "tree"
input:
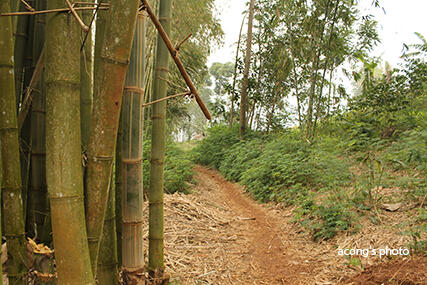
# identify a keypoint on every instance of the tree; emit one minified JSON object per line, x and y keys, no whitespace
{"x":243,"y":94}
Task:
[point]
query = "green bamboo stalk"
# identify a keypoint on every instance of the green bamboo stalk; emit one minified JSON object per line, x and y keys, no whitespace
{"x":14,"y":225}
{"x":132,"y":192}
{"x":107,"y":273}
{"x":118,"y":191}
{"x":63,"y":146}
{"x":158,"y":139}
{"x":86,"y":79}
{"x":108,"y":92}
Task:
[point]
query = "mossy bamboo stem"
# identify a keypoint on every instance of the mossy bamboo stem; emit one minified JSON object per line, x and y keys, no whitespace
{"x":63,"y":146}
{"x":14,"y":225}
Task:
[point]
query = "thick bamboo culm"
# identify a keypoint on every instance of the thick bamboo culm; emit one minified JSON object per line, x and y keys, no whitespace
{"x":11,"y":187}
{"x":108,"y":91}
{"x":63,"y":148}
{"x":174,"y":53}
{"x":131,"y":159}
{"x":158,"y":143}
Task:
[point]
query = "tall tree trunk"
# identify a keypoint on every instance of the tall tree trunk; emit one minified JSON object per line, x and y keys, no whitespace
{"x":132,"y":142}
{"x":158,"y":142}
{"x":315,"y":67}
{"x":14,"y":224}
{"x":63,"y":146}
{"x":108,"y":92}
{"x":86,"y":78}
{"x":108,"y":273}
{"x":235,"y":73}
{"x":243,"y":94}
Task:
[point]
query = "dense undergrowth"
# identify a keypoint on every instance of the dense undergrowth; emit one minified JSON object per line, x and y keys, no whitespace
{"x":374,"y":153}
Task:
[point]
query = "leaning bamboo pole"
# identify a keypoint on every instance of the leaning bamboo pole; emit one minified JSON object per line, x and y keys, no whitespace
{"x":118,"y":192}
{"x":158,"y":142}
{"x":105,"y":115}
{"x":63,"y":146}
{"x":131,"y":163}
{"x":14,"y":224}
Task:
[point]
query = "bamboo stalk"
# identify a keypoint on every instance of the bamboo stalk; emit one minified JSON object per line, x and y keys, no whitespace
{"x":14,"y":224}
{"x":105,"y":115}
{"x":131,"y":163}
{"x":26,"y":102}
{"x":51,"y":11}
{"x":63,"y":146}
{"x":37,"y":194}
{"x":86,"y":79}
{"x":107,"y":273}
{"x":158,"y":142}
{"x":118,"y":191}
{"x":173,"y":52}
{"x":19,"y":53}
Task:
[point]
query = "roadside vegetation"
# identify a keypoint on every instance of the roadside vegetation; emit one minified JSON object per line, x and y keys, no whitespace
{"x":367,"y":159}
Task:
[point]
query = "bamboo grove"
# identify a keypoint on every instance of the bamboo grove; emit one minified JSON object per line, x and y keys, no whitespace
{"x":76,"y":79}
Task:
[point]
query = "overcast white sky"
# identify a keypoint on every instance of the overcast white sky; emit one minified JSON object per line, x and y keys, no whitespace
{"x":396,"y":27}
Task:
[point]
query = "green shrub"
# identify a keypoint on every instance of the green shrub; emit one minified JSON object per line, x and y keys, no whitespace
{"x":211,"y":150}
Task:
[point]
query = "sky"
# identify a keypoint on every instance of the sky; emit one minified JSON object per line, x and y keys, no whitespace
{"x":396,"y":26}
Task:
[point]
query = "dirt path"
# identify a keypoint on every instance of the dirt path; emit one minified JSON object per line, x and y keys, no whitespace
{"x":219,"y":235}
{"x":271,"y":260}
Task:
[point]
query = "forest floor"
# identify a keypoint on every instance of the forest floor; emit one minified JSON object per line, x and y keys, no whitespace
{"x":219,"y":235}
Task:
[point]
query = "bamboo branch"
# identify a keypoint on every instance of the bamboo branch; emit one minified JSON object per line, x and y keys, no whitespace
{"x":51,"y":11}
{"x":84,"y":27}
{"x":177,"y":47}
{"x":28,"y":6}
{"x":98,"y":5}
{"x":28,"y":93}
{"x":177,"y":60}
{"x":166,"y":98}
